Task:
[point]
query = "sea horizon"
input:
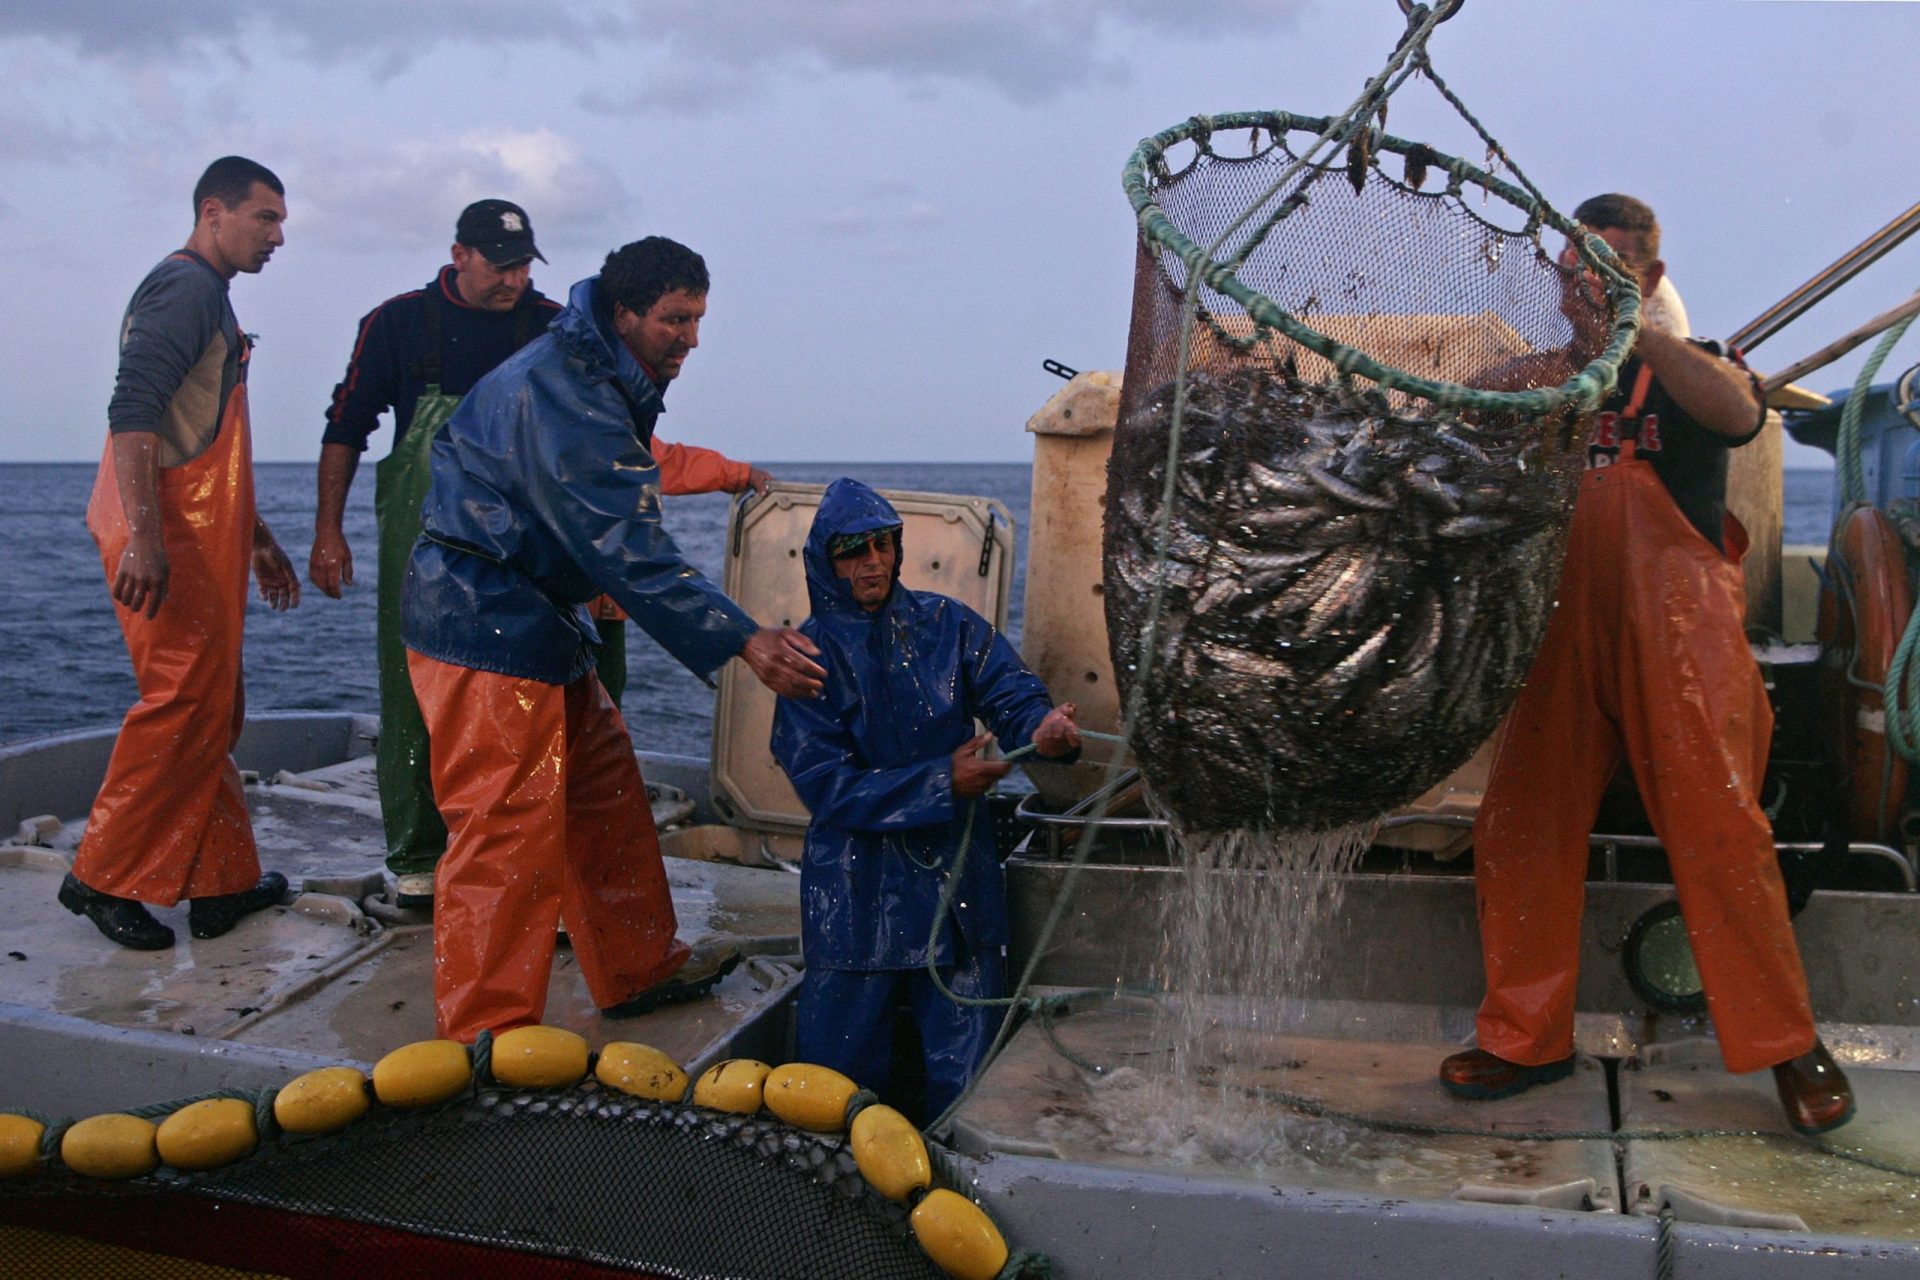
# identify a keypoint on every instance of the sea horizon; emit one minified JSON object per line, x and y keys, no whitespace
{"x":65,"y":667}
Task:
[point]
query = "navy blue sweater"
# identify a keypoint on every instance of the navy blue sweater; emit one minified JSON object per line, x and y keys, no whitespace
{"x":390,"y":366}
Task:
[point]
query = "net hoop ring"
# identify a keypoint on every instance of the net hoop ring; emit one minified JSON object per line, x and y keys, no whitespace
{"x":1582,"y":392}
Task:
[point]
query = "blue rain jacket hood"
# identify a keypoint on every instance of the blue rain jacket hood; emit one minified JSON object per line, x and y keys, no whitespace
{"x":872,"y":758}
{"x":545,"y":494}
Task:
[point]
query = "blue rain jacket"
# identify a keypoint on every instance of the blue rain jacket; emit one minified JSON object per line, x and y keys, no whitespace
{"x":871,"y":758}
{"x":544,"y":496}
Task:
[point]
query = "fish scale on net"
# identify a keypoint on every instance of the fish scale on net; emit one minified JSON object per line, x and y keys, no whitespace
{"x":1351,"y":596}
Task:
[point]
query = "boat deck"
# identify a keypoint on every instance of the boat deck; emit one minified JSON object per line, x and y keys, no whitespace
{"x":1350,"y":1105}
{"x":339,"y":972}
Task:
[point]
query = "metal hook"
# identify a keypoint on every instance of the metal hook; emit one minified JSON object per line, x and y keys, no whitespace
{"x":1447,"y":8}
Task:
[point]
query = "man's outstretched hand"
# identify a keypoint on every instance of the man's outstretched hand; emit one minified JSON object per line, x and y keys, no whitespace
{"x":973,"y":776}
{"x":782,"y":659}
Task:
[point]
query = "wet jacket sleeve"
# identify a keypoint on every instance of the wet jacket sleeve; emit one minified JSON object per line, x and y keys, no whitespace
{"x":168,"y":326}
{"x":370,"y":385}
{"x":595,"y":490}
{"x":824,"y":763}
{"x":1001,"y":691}
{"x":687,"y":468}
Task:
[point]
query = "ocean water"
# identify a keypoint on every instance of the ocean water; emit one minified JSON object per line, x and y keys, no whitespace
{"x":63,"y":667}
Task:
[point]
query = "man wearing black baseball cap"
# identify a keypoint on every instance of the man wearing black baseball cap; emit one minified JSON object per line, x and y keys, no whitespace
{"x":500,"y":230}
{"x":416,"y":355}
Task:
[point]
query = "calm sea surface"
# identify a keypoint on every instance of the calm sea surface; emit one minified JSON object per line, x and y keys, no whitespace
{"x":62,"y":664}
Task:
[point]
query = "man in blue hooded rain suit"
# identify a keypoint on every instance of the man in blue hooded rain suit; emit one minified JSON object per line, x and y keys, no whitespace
{"x":887,"y":762}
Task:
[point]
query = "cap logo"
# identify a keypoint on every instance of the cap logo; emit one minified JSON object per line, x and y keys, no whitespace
{"x":510,"y":221}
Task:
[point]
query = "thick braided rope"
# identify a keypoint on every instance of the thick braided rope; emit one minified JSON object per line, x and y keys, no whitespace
{"x":1900,"y":693}
{"x":1584,"y":389}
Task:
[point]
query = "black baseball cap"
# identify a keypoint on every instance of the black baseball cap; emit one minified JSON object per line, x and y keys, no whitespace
{"x":500,"y":230}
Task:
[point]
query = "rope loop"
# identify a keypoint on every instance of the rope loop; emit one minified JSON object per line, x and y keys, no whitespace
{"x":265,"y":1123}
{"x":860,"y":1101}
{"x":480,"y":1055}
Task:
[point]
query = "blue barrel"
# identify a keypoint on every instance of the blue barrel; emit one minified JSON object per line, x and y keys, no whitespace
{"x":1889,"y":444}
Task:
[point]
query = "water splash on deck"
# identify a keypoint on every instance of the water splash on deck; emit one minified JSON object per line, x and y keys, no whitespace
{"x":1245,"y":937}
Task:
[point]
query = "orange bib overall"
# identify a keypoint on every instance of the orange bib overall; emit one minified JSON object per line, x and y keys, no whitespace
{"x":170,"y":821}
{"x":1645,"y":652}
{"x":546,"y":814}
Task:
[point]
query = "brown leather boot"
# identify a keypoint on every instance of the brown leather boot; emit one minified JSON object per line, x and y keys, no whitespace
{"x":1814,"y":1091}
{"x":1481,"y":1077}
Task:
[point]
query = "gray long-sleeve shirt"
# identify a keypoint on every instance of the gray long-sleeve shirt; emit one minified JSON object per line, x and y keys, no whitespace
{"x":180,"y":358}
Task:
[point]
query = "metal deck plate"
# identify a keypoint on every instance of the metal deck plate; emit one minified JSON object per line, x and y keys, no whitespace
{"x":1777,"y":1180}
{"x":1033,"y":1101}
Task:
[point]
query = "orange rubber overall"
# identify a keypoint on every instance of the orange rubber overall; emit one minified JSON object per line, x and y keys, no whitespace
{"x":170,"y":821}
{"x":1646,"y":651}
{"x":546,"y":813}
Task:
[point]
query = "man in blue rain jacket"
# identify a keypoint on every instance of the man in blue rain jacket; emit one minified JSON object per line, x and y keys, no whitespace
{"x":886,"y":760}
{"x":546,"y":494}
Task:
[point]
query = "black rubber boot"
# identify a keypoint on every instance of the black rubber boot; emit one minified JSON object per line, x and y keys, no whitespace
{"x":122,"y":919}
{"x":211,"y":917}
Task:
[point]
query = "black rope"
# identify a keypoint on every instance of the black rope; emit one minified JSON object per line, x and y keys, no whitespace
{"x":860,"y":1101}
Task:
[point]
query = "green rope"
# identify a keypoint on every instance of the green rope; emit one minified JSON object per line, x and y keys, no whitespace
{"x":950,"y":888}
{"x":265,"y":1123}
{"x":480,"y":1056}
{"x":1853,"y":481}
{"x":1900,"y":694}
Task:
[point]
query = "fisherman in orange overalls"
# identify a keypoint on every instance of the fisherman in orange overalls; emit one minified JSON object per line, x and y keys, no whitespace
{"x":1647,"y":653}
{"x":172,"y":513}
{"x":414,"y":357}
{"x":546,"y":494}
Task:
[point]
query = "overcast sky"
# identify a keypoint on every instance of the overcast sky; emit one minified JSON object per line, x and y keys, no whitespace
{"x":906,"y":205}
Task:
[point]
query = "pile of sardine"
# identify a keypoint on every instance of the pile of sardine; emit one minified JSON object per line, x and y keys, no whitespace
{"x":1349,"y":598}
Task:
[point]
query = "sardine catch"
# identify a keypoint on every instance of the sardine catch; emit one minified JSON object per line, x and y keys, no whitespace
{"x":1349,"y":597}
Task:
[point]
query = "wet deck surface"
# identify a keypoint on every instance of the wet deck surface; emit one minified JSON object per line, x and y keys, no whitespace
{"x":1035,"y":1101}
{"x":1828,"y":1185}
{"x":337,"y":972}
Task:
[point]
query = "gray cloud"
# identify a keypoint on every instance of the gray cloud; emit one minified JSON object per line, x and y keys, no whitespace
{"x":677,"y":86}
{"x":705,"y":51}
{"x":368,"y":196}
{"x":380,"y":34}
{"x":715,"y":51}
